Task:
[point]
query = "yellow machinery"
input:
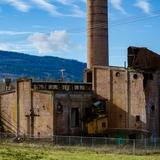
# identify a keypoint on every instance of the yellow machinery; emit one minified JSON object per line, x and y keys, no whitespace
{"x":98,"y":125}
{"x":96,"y":118}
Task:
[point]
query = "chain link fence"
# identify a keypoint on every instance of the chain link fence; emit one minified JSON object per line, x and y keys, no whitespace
{"x":90,"y":141}
{"x":120,"y":145}
{"x":129,"y":146}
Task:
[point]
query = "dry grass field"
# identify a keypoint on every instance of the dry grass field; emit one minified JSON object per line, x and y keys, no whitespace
{"x":34,"y":152}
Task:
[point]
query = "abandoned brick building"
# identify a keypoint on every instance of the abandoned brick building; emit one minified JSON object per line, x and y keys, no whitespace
{"x":131,"y":94}
{"x":43,"y":109}
{"x":112,"y":101}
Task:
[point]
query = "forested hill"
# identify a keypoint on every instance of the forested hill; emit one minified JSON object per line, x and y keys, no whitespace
{"x":15,"y":65}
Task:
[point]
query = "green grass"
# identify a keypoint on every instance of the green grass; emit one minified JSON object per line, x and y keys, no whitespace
{"x":34,"y":152}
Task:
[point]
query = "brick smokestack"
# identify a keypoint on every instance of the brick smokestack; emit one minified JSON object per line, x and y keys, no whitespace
{"x":97,"y":19}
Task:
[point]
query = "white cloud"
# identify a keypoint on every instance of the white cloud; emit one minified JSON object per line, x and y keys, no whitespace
{"x":65,"y":2}
{"x":13,"y":33}
{"x":45,"y":5}
{"x":17,"y":47}
{"x":18,"y":4}
{"x":117,"y":4}
{"x":53,"y":10}
{"x":55,"y":42}
{"x":144,"y":5}
{"x":49,"y":6}
{"x":5,"y":46}
{"x":77,"y":12}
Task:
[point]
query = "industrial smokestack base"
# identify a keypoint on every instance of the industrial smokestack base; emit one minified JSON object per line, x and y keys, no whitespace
{"x":97,"y":33}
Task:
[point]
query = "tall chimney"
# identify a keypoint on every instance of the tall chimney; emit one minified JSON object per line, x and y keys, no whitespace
{"x":97,"y":33}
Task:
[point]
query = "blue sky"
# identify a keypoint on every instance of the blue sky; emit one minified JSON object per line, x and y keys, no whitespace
{"x":58,"y":27}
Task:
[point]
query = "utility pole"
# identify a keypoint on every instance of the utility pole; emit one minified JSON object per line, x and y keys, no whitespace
{"x":62,"y":74}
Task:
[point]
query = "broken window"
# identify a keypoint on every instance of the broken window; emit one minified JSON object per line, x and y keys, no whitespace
{"x":152,"y":108}
{"x":117,"y":74}
{"x":75,"y":117}
{"x":150,"y":76}
{"x":99,"y":107}
{"x":38,"y":134}
{"x":135,"y":76}
{"x":138,"y":118}
{"x":44,"y":107}
{"x":89,"y":76}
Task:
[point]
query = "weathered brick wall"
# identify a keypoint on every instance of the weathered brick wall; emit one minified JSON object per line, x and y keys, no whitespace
{"x":152,"y":91}
{"x":24,"y":103}
{"x":125,"y":95}
{"x":8,"y":109}
{"x":69,"y":100}
{"x":119,"y":107}
{"x":43,"y":108}
{"x":101,"y":82}
{"x":111,"y":84}
{"x":61,"y":118}
{"x":137,"y":101}
{"x":37,"y":103}
{"x":97,"y":45}
{"x":34,"y":113}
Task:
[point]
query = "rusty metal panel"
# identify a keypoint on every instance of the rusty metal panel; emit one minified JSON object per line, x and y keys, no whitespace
{"x":143,"y":58}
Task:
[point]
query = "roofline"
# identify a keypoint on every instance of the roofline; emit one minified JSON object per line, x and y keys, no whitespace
{"x":7,"y":92}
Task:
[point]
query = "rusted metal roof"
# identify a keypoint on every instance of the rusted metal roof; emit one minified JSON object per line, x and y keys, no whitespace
{"x":143,"y":59}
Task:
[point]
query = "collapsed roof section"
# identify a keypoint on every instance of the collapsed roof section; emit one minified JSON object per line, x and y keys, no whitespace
{"x":143,"y":59}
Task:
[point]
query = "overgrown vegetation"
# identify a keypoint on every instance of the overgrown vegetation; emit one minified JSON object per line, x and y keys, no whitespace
{"x":34,"y":152}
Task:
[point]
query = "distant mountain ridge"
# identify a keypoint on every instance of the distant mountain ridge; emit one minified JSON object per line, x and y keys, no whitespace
{"x":15,"y":65}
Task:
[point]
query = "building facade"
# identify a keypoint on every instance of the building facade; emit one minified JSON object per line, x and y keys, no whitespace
{"x":112,"y":101}
{"x":42,"y":109}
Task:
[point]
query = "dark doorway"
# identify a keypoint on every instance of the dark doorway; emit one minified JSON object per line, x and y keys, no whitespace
{"x":75,"y":117}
